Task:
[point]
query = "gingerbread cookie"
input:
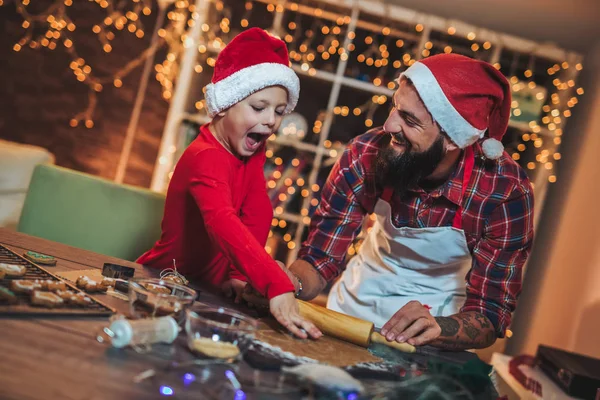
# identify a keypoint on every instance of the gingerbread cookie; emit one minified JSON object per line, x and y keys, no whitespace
{"x":39,"y":258}
{"x":6,"y":296}
{"x":70,"y":297}
{"x":23,"y":286}
{"x":166,"y":307}
{"x":95,"y":287}
{"x":158,"y":289}
{"x":46,"y":299}
{"x":65,"y":294}
{"x":80,"y":299}
{"x":13,"y":270}
{"x":53,"y":286}
{"x":82,"y":281}
{"x":108,"y":282}
{"x":153,"y":306}
{"x":89,"y":285}
{"x":174,"y":279}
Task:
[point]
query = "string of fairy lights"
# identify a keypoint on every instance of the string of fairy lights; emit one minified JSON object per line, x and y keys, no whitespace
{"x":322,"y":39}
{"x":52,"y":28}
{"x":312,"y":44}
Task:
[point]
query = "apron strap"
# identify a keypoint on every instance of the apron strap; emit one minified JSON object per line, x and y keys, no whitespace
{"x":387,"y":194}
{"x":468,"y":170}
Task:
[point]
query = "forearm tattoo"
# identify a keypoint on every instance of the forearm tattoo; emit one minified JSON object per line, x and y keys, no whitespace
{"x":467,"y":330}
{"x":449,"y":326}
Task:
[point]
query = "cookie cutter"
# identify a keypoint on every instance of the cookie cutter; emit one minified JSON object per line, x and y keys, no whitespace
{"x":117,"y":271}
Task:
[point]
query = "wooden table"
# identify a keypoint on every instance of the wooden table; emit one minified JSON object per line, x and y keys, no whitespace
{"x":60,"y":358}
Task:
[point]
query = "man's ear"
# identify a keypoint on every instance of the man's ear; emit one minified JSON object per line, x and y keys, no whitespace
{"x":450,"y":145}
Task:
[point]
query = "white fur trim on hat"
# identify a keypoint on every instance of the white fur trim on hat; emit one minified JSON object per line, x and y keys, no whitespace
{"x":459,"y":129}
{"x":241,"y":84}
{"x":492,"y":148}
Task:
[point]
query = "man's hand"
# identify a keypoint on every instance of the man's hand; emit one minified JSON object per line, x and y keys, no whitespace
{"x":254,"y":298}
{"x":285,"y":310}
{"x":413,"y":324}
{"x":290,"y":275}
{"x":234,"y":287}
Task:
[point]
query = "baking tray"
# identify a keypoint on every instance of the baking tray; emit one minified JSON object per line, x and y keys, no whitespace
{"x":34,"y":271}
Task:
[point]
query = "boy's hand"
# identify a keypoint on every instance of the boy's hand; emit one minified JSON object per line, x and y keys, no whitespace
{"x":234,"y":287}
{"x":285,"y":310}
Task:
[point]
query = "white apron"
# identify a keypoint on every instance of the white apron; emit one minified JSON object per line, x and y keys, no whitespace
{"x":397,"y":265}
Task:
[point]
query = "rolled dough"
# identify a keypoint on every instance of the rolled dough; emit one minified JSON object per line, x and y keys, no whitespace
{"x":326,"y":350}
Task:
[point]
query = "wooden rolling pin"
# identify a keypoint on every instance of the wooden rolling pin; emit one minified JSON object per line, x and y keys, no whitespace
{"x":346,"y":327}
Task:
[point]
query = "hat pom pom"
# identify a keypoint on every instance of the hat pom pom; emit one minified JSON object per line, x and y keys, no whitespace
{"x":492,"y":148}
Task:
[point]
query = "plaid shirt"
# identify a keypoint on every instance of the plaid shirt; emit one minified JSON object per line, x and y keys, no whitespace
{"x":497,"y":220}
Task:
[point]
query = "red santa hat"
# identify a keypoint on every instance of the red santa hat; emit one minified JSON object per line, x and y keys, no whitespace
{"x":466,"y":97}
{"x":252,"y":61}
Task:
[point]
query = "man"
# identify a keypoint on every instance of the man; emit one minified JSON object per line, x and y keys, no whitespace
{"x":454,"y":214}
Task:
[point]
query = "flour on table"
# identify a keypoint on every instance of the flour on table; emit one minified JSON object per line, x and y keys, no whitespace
{"x":376,"y":366}
{"x":327,"y":376}
{"x":278,"y":352}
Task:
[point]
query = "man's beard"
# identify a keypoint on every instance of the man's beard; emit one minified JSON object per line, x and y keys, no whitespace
{"x":402,"y":171}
